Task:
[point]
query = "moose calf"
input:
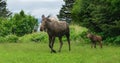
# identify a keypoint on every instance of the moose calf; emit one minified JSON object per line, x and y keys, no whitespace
{"x":94,"y":39}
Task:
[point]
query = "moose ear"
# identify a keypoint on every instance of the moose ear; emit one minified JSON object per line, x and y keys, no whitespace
{"x":43,"y":16}
{"x":48,"y":16}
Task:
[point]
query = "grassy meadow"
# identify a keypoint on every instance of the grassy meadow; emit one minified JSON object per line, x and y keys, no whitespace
{"x":40,"y":53}
{"x":33,"y":48}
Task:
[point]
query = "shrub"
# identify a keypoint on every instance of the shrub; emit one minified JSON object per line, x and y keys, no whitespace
{"x":34,"y":37}
{"x":39,"y":37}
{"x":117,"y":40}
{"x":11,"y":38}
{"x":84,"y":36}
{"x":76,"y":31}
{"x":112,"y":40}
{"x":22,"y":23}
{"x":5,"y":27}
{"x":2,"y":39}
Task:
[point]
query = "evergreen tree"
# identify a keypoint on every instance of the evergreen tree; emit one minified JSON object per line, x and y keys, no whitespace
{"x":4,"y":12}
{"x":65,"y":12}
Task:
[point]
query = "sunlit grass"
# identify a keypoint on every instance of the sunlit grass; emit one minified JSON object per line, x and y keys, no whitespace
{"x":40,"y":53}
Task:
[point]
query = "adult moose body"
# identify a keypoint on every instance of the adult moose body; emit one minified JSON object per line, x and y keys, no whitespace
{"x":55,"y":29}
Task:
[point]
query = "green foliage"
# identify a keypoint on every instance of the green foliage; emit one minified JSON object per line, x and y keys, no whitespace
{"x":34,"y":37}
{"x":11,"y":38}
{"x":2,"y":40}
{"x":83,"y":35}
{"x":5,"y":27}
{"x":19,"y":24}
{"x":113,"y":40}
{"x":76,"y":31}
{"x":39,"y":37}
{"x":117,"y":40}
{"x":22,"y":24}
{"x":100,"y":16}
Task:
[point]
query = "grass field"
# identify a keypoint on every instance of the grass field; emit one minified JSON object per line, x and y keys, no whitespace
{"x":40,"y":53}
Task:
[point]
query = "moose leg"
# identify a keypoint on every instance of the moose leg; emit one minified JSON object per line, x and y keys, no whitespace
{"x":94,"y":43}
{"x":61,"y":43}
{"x":68,"y":39}
{"x":53,"y":39}
{"x":50,"y":46}
{"x":100,"y":43}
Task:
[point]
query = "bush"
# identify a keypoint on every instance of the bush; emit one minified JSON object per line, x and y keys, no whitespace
{"x":22,"y":23}
{"x":84,"y":36}
{"x":112,"y":40}
{"x":76,"y":31}
{"x":11,"y":38}
{"x":5,"y":27}
{"x":2,"y":39}
{"x":39,"y":37}
{"x":34,"y":37}
{"x":117,"y":40}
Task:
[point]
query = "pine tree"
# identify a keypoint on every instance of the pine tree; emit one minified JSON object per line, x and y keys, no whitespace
{"x":4,"y":12}
{"x":65,"y":12}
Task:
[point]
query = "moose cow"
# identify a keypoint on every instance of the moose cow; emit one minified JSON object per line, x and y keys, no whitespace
{"x":55,"y":29}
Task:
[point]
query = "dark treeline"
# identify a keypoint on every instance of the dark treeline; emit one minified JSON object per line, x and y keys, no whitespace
{"x":100,"y":16}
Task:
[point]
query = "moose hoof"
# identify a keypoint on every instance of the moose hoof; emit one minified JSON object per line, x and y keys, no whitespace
{"x":53,"y":51}
{"x":59,"y":51}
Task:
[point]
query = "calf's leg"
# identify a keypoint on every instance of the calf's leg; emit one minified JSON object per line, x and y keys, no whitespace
{"x":94,"y":44}
{"x":100,"y":43}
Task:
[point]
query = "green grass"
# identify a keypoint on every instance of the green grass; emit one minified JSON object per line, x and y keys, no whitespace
{"x":40,"y":53}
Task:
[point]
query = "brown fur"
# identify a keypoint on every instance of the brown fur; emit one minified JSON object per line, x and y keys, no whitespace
{"x":94,"y":39}
{"x":55,"y":29}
